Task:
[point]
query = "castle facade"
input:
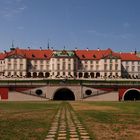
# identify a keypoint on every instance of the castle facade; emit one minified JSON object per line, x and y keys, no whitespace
{"x":69,"y":64}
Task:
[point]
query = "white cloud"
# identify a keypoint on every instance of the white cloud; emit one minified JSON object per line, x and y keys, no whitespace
{"x":12,"y":8}
{"x":126,"y":25}
{"x":111,"y":35}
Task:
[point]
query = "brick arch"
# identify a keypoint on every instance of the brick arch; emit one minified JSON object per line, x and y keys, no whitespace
{"x":130,"y":89}
{"x":63,"y":93}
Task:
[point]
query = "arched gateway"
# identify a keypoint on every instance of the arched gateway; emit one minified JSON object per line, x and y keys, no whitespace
{"x":131,"y":95}
{"x":64,"y":94}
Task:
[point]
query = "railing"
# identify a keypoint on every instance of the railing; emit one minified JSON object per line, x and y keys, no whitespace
{"x":52,"y":82}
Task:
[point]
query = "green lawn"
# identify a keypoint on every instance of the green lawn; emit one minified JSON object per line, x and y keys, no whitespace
{"x":103,"y":120}
{"x":110,"y":120}
{"x":26,"y":120}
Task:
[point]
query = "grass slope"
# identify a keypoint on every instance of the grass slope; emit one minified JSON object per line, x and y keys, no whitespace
{"x":26,"y":120}
{"x":110,"y":120}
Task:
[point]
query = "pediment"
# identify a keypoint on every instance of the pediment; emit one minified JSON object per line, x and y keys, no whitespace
{"x":110,"y":56}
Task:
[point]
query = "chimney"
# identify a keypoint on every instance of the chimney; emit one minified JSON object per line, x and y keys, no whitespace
{"x":135,"y":52}
{"x":132,"y":52}
{"x":76,"y":49}
{"x":48,"y":46}
{"x":87,"y":49}
{"x":98,"y":49}
{"x":40,"y":48}
{"x":28,"y":48}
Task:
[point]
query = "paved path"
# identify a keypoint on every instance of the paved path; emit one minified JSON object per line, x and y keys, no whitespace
{"x":66,"y":126}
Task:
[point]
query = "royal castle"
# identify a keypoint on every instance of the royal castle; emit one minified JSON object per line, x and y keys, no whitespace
{"x":69,"y":64}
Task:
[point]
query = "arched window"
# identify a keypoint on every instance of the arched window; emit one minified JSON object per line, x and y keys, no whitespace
{"x":80,"y":74}
{"x":40,"y":75}
{"x":92,"y":75}
{"x":86,"y":75}
{"x":97,"y":74}
{"x":28,"y":74}
{"x":47,"y":74}
{"x":34,"y":74}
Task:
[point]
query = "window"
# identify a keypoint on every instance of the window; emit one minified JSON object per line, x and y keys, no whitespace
{"x":86,"y":67}
{"x":63,"y":65}
{"x":105,"y":66}
{"x":97,"y":67}
{"x":139,"y":68}
{"x":41,"y":67}
{"x":97,"y":62}
{"x":91,"y":62}
{"x":116,"y":67}
{"x":9,"y":66}
{"x":15,"y":61}
{"x":52,"y":66}
{"x":110,"y":66}
{"x":15,"y":66}
{"x":47,"y":62}
{"x":45,"y":55}
{"x":126,"y":62}
{"x":92,"y":67}
{"x":110,"y":60}
{"x":69,"y":67}
{"x":21,"y":66}
{"x":35,"y":67}
{"x":35,"y":61}
{"x":41,"y":61}
{"x":20,"y":73}
{"x":83,"y":56}
{"x":47,"y":67}
{"x":127,"y":68}
{"x":33,"y":55}
{"x":58,"y":66}
{"x":105,"y":60}
{"x":133,"y":68}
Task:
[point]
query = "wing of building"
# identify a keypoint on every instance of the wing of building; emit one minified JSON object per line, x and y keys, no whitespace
{"x":77,"y":64}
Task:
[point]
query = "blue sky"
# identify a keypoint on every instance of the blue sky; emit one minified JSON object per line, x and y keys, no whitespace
{"x":71,"y":23}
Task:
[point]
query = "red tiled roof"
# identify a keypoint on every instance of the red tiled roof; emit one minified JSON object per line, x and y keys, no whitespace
{"x":81,"y":54}
{"x":31,"y":54}
{"x":92,"y":54}
{"x":129,"y":57}
{"x":2,"y":56}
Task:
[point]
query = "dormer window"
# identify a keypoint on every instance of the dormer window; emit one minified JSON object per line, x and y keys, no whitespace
{"x":83,"y":56}
{"x":45,"y":55}
{"x":33,"y":55}
{"x":94,"y":56}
